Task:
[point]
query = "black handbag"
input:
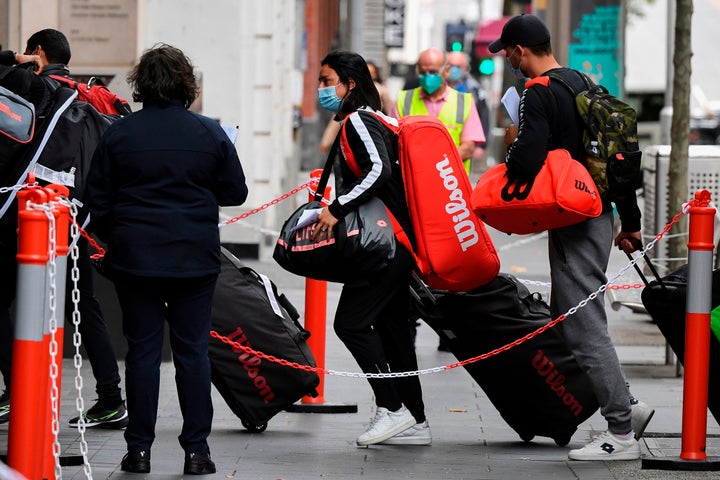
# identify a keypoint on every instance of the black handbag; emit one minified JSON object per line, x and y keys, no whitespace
{"x":363,"y":242}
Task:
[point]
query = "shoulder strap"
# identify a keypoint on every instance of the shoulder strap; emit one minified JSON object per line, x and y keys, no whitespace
{"x":325,"y":176}
{"x":65,"y":81}
{"x":589,"y":84}
{"x":563,"y":82}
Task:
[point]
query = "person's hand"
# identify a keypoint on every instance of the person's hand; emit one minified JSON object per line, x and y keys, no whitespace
{"x":22,"y":58}
{"x":628,"y":242}
{"x":511,"y":134}
{"x":324,"y":225}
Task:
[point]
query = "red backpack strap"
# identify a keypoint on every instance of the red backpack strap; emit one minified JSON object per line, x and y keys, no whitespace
{"x":543,"y":80}
{"x":65,"y":81}
{"x":347,"y":152}
{"x":349,"y":158}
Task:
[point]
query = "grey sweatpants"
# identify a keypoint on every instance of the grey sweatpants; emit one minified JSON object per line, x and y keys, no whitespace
{"x":579,"y":257}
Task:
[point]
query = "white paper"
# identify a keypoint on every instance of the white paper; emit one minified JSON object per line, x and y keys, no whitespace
{"x":307,"y":217}
{"x":511,"y":102}
{"x":232,"y":132}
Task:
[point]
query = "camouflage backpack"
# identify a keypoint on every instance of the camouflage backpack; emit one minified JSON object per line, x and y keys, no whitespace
{"x":610,"y":139}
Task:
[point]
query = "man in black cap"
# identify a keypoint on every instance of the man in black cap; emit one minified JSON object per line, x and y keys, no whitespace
{"x":578,"y":253}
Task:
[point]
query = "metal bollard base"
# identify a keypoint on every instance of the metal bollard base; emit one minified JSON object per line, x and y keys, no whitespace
{"x":711,"y":464}
{"x":322,"y":408}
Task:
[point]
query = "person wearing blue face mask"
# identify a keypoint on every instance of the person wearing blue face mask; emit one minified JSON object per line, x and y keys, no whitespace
{"x":578,"y":254}
{"x":371,"y":316}
{"x":456,"y":110}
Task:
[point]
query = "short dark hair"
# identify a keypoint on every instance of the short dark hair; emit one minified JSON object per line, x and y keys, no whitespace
{"x":541,"y":50}
{"x":54,"y":43}
{"x":163,"y":73}
{"x":350,"y":65}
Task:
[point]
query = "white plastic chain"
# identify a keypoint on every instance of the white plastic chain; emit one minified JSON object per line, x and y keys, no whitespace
{"x":570,"y":312}
{"x":19,"y":187}
{"x":77,"y":338}
{"x":52,"y":304}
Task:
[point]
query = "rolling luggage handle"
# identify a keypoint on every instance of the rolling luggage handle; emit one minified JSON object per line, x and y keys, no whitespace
{"x":276,"y":302}
{"x":670,"y":357}
{"x":638,"y":245}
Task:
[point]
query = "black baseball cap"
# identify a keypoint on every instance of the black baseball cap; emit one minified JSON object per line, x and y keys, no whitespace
{"x":525,"y":30}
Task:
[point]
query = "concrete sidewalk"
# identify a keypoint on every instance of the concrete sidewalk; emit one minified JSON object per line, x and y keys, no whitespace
{"x":470,"y":439}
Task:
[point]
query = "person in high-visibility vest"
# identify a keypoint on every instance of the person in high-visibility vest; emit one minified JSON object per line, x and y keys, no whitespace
{"x":457,"y":111}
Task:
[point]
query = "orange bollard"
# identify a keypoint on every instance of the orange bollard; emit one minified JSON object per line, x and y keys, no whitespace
{"x":316,"y":324}
{"x":697,"y":329}
{"x":693,"y":454}
{"x":316,"y":311}
{"x":25,"y":437}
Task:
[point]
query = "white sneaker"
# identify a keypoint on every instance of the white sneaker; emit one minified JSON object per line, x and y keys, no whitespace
{"x":640,"y":417}
{"x":418,"y":434}
{"x":385,"y":425}
{"x":607,"y":447}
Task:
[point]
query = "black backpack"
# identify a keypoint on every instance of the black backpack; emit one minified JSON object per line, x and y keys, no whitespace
{"x":60,"y":151}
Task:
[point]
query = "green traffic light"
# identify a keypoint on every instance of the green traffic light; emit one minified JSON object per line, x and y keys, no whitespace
{"x":457,"y":47}
{"x":487,"y":66}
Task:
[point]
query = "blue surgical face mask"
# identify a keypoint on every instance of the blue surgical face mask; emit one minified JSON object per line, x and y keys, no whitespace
{"x":328,"y":98}
{"x":430,"y":82}
{"x":455,"y":74}
{"x":515,"y":70}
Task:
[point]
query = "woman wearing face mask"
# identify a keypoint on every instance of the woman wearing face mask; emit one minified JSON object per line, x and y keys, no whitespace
{"x":371,"y":317}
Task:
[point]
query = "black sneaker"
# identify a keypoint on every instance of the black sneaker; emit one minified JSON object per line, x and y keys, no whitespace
{"x":4,"y":407}
{"x":102,"y":417}
{"x":198,"y":464}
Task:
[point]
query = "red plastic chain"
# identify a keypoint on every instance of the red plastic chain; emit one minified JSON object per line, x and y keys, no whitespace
{"x":265,"y":356}
{"x":101,"y":251}
{"x":450,"y":366}
{"x":628,"y":286}
{"x":271,"y":202}
{"x":91,"y":241}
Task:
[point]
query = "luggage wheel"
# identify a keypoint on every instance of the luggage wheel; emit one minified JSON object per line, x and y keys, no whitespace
{"x":562,"y":441}
{"x":254,"y":428}
{"x":527,"y":437}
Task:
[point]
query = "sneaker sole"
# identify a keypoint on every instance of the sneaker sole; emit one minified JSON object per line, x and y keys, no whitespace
{"x":116,"y":424}
{"x":407,"y":441}
{"x":607,"y":458}
{"x":390,"y":433}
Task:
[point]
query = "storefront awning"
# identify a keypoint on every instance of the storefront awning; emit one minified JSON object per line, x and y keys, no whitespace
{"x":488,"y":31}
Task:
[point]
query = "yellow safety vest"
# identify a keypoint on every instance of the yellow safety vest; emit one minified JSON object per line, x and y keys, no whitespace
{"x":453,"y":114}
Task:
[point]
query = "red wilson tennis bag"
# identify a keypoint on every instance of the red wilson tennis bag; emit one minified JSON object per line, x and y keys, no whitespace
{"x":561,"y":194}
{"x":454,"y":251}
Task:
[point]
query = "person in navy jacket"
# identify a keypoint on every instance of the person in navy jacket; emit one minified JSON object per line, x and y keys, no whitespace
{"x":157,"y":179}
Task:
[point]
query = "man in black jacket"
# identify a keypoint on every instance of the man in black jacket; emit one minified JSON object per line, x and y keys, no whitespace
{"x":578,"y":253}
{"x":47,"y":53}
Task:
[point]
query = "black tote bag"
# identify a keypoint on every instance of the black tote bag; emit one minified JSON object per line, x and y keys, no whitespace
{"x":363,"y":242}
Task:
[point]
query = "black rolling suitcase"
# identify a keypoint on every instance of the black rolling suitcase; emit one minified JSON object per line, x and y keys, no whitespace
{"x":248,"y":310}
{"x":537,"y":386}
{"x":665,"y":300}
